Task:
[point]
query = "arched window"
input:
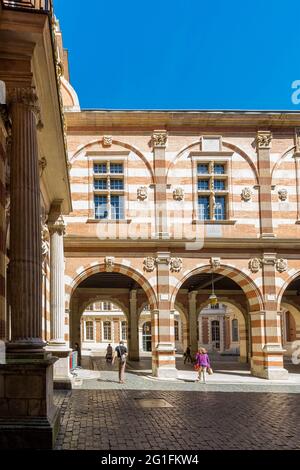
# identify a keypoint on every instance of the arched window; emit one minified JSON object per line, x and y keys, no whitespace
{"x":234,"y":330}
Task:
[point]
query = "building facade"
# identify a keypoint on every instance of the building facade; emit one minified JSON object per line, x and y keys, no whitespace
{"x":187,"y":221}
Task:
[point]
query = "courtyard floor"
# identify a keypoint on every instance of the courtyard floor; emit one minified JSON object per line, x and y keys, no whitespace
{"x":232,"y":411}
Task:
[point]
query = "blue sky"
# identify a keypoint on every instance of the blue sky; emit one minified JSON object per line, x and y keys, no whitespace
{"x":182,"y":54}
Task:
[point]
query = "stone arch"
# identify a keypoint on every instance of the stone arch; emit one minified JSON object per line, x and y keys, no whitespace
{"x":283,"y":288}
{"x":250,"y":290}
{"x":125,"y":145}
{"x":91,"y":269}
{"x":281,"y":158}
{"x":228,"y":145}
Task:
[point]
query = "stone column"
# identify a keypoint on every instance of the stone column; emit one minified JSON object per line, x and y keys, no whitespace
{"x":263,"y":146}
{"x":192,"y":298}
{"x":26,"y":392}
{"x":57,"y":345}
{"x":163,"y":344}
{"x":159,"y":142}
{"x":267,"y":351}
{"x":133,"y":333}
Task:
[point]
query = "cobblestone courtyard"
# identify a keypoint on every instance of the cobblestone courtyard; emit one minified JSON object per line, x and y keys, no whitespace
{"x":233,"y":411}
{"x":114,"y":419}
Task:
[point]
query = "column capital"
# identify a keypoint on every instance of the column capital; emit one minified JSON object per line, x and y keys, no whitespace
{"x":27,"y":97}
{"x":163,"y":258}
{"x":263,"y":140}
{"x":159,"y":138}
{"x":58,"y":226}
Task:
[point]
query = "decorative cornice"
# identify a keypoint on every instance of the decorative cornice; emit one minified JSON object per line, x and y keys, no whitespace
{"x":263,"y":139}
{"x":159,"y":138}
{"x":58,"y":226}
{"x":27,"y":97}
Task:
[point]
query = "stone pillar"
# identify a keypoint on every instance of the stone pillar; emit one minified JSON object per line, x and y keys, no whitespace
{"x":28,"y":417}
{"x":263,"y":145}
{"x":267,"y":351}
{"x":57,"y":345}
{"x":159,"y":142}
{"x":133,"y":331}
{"x":3,"y":159}
{"x":221,"y":323}
{"x":163,"y":343}
{"x":192,"y":301}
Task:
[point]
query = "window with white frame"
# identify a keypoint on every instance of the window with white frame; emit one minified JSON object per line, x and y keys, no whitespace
{"x":124,"y":330}
{"x":108,"y":181}
{"x":107,"y":331}
{"x":212,"y":190}
{"x":89,"y":330}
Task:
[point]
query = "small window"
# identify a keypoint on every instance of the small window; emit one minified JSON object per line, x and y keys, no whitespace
{"x":219,"y":169}
{"x":202,"y":169}
{"x":116,"y":184}
{"x":100,"y":184}
{"x":107,"y":331}
{"x":107,"y":306}
{"x":203,"y":184}
{"x":235,"y":330}
{"x":219,"y":185}
{"x":101,"y":207}
{"x":203,"y":207}
{"x":116,"y":168}
{"x":100,"y":168}
{"x":89,"y":331}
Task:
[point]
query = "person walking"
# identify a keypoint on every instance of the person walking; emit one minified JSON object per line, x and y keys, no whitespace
{"x":121,"y":354}
{"x":202,"y":364}
{"x":77,"y":348}
{"x":109,"y":353}
{"x":187,"y":355}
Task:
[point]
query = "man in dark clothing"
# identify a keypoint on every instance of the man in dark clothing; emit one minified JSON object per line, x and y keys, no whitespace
{"x":187,"y":355}
{"x":121,"y":354}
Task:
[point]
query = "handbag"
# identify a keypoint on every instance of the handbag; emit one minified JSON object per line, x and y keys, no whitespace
{"x":210,"y":371}
{"x":196,"y":367}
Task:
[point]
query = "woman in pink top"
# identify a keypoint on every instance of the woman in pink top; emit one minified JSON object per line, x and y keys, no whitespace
{"x":203,"y":362}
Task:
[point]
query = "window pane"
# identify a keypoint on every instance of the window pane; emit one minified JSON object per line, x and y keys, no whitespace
{"x":89,"y":330}
{"x":219,"y":169}
{"x":116,"y":168}
{"x":235,"y":330}
{"x":101,"y":208}
{"x":124,"y":330}
{"x":100,"y":184}
{"x":117,"y":207}
{"x":100,"y":168}
{"x":107,"y":331}
{"x":219,"y":185}
{"x":203,"y":184}
{"x":116,"y":184}
{"x":220,"y":208}
{"x":203,"y":208}
{"x":202,"y":168}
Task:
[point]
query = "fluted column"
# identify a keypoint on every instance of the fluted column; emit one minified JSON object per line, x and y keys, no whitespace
{"x":57,"y":282}
{"x":25,"y":228}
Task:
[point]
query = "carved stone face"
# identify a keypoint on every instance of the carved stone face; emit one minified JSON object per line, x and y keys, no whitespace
{"x":283,"y":194}
{"x":281,"y":265}
{"x":142,"y":193}
{"x":254,"y":265}
{"x":149,"y":264}
{"x":178,"y":194}
{"x":246,"y":194}
{"x":109,"y":262}
{"x":107,"y":140}
{"x":175,"y":264}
